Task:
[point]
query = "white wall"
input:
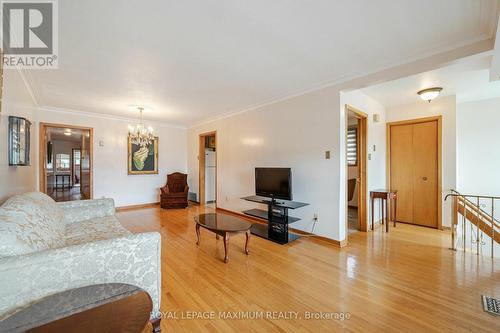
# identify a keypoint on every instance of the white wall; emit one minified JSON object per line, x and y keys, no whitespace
{"x":293,"y":133}
{"x":376,"y":172}
{"x":16,"y":101}
{"x":110,"y":161}
{"x":446,"y":107}
{"x":478,"y":153}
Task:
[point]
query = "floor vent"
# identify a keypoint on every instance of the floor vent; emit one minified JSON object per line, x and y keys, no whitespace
{"x":491,"y":305}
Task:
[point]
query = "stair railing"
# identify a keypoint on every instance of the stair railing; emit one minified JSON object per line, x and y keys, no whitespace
{"x":469,"y":207}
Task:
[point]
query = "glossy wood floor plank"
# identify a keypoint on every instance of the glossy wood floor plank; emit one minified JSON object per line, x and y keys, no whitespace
{"x":404,"y":281}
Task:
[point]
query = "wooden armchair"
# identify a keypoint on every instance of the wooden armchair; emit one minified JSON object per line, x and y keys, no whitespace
{"x":174,"y":194}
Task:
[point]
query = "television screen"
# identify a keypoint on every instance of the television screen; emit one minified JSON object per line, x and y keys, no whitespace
{"x":274,"y":183}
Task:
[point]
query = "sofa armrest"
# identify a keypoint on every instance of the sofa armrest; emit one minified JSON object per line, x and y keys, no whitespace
{"x":81,"y":210}
{"x":133,"y":259}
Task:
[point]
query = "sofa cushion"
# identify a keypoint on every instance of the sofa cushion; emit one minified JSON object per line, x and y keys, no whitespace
{"x":95,"y":229}
{"x":30,"y":222}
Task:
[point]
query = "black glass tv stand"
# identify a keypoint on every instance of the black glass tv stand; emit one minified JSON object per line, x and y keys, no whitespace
{"x":277,"y":218}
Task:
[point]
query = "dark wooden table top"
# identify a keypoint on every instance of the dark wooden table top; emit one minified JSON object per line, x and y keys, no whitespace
{"x":112,"y":307}
{"x":222,"y":222}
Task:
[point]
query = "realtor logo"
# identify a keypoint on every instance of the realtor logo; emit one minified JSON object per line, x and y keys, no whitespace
{"x":28,"y":32}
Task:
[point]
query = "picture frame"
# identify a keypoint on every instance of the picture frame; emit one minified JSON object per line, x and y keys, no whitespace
{"x":141,"y":162}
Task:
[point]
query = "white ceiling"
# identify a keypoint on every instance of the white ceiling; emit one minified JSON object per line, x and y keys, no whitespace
{"x":57,"y":134}
{"x":194,"y":60}
{"x":469,"y":80}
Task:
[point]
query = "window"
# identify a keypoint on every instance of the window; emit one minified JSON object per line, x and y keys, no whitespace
{"x":352,"y":146}
{"x":62,"y":162}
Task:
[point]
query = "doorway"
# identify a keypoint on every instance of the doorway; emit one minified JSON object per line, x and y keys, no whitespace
{"x":208,"y":169}
{"x":65,"y":162}
{"x":356,"y":148}
{"x":414,"y":170}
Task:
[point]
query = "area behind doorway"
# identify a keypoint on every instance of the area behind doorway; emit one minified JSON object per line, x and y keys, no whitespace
{"x":356,"y":141}
{"x":65,"y":162}
{"x":208,"y":169}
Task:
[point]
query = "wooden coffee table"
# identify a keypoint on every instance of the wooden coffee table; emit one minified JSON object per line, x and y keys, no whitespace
{"x":223,"y":225}
{"x":111,"y":307}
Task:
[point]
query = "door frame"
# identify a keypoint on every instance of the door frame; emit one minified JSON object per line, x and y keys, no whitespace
{"x":42,"y":155}
{"x":439,"y":120}
{"x":73,"y":165}
{"x":201,"y":167}
{"x":362,"y":168}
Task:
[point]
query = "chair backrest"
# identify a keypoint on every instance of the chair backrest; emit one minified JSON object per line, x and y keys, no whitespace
{"x":351,"y":185}
{"x":177,"y":182}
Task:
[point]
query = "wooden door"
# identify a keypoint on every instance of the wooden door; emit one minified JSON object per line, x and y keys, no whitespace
{"x":414,"y":171}
{"x":86,"y":166}
{"x":425,"y":174}
{"x":401,"y":170}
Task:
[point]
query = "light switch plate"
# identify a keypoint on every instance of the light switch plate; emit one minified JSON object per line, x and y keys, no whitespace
{"x":327,"y":155}
{"x":369,"y":157}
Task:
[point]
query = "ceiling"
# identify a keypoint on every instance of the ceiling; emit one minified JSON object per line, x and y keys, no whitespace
{"x":469,"y":80}
{"x":57,"y":134}
{"x":190,"y":61}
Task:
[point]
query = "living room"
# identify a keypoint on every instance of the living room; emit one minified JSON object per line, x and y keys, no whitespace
{"x":256,"y":95}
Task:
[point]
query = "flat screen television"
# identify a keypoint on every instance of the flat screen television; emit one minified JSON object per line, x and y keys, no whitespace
{"x":275,"y":183}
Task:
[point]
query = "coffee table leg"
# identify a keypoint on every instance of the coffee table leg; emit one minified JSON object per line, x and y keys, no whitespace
{"x":226,"y":247}
{"x":247,"y":234}
{"x":197,"y":234}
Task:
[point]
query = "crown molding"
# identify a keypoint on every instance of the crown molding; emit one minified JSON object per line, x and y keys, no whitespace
{"x":106,"y":116}
{"x":479,"y":45}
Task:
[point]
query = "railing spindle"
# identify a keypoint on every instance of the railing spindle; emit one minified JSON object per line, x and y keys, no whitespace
{"x":477,"y":227}
{"x":492,"y":227}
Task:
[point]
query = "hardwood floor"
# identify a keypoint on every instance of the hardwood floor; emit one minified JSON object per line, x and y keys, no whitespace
{"x":404,"y":281}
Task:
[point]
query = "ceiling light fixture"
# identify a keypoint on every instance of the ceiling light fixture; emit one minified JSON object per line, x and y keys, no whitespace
{"x":140,"y":135}
{"x":67,"y":132}
{"x":429,"y":94}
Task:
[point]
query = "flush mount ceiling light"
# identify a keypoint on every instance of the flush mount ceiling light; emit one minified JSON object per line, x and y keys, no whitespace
{"x":430,"y":93}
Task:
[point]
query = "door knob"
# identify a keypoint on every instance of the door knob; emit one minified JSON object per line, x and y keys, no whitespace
{"x":424,"y":178}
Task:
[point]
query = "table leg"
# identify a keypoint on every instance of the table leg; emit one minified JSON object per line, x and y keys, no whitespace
{"x":226,"y":247}
{"x":395,"y":209}
{"x":373,"y":211}
{"x":382,"y":211}
{"x":247,"y":234}
{"x":197,"y":234}
{"x":216,"y":236}
{"x":387,"y":213}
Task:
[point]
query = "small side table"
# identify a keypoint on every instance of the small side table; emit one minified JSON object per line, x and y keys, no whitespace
{"x":389,"y":196}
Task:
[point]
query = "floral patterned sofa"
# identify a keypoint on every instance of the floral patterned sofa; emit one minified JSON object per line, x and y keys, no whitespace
{"x":47,"y":247}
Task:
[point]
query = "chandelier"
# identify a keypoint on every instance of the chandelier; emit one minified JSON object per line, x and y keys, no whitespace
{"x":140,"y":135}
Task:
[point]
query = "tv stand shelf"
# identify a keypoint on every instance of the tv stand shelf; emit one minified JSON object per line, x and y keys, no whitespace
{"x":262,"y":214}
{"x":277,"y":218}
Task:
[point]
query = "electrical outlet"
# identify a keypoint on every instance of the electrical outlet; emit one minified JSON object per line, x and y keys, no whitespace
{"x":227,"y":198}
{"x":369,"y":157}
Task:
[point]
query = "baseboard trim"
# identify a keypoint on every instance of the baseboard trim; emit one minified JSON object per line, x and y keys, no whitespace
{"x":333,"y":242}
{"x":130,"y":207}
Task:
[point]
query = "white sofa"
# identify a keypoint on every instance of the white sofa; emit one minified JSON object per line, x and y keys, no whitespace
{"x":47,"y":247}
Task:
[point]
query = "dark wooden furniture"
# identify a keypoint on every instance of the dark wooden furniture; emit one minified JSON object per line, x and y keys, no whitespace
{"x":175,"y":193}
{"x":111,"y":307}
{"x":277,"y":219}
{"x":387,"y":197}
{"x":63,"y":176}
{"x":223,"y":225}
{"x":351,"y":185}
